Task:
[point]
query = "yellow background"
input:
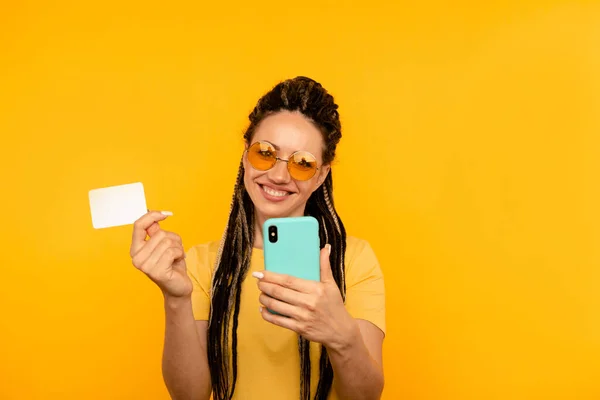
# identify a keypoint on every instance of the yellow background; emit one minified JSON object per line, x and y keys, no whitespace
{"x":469,"y":161}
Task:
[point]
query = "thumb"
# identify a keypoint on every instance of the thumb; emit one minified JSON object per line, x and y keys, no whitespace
{"x":152,"y":229}
{"x":155,"y":227}
{"x":326,"y":274}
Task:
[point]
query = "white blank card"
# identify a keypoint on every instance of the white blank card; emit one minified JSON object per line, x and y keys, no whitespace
{"x":117,"y":205}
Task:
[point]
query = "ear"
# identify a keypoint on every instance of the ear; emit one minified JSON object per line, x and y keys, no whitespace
{"x":245,"y":155}
{"x":323,"y":172}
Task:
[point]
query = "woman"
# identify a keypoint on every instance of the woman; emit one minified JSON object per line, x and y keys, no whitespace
{"x":219,"y":337}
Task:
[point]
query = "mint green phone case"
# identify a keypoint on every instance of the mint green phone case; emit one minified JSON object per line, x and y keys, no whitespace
{"x":297,"y":249}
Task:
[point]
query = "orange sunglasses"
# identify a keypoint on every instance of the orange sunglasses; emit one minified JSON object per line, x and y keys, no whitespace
{"x":301,"y":165}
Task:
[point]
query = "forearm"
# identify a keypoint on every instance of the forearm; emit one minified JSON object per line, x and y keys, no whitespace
{"x":184,"y":364}
{"x":356,"y":374}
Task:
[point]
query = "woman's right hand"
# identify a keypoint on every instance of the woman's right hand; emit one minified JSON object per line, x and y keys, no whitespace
{"x":161,"y":257}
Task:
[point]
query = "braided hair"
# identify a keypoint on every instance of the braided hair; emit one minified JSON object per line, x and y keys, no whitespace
{"x":234,"y":254}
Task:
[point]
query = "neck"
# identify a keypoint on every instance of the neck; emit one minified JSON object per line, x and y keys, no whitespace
{"x":259,"y":220}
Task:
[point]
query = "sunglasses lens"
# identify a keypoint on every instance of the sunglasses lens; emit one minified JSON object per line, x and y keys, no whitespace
{"x":262,"y":156}
{"x":302,"y":166}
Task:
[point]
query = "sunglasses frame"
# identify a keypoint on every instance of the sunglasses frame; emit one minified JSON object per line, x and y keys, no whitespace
{"x":281,"y":159}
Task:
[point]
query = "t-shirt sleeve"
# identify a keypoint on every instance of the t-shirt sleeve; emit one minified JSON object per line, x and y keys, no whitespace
{"x":199,"y":270}
{"x":365,"y":290}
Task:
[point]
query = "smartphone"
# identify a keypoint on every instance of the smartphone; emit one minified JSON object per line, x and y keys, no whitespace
{"x":292,"y":247}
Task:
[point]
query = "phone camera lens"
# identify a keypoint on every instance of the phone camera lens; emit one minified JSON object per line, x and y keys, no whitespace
{"x":272,"y":234}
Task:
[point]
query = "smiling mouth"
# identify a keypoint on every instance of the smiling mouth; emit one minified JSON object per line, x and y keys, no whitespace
{"x":273,"y":192}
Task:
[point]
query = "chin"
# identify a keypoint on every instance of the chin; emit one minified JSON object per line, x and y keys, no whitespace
{"x":273,"y":210}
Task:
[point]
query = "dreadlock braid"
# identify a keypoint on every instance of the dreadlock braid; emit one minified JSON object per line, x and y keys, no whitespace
{"x":320,"y":206}
{"x":231,"y":266}
{"x":235,"y":249}
{"x":340,"y":229}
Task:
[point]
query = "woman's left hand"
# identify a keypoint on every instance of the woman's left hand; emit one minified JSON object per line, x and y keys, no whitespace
{"x":314,"y":310}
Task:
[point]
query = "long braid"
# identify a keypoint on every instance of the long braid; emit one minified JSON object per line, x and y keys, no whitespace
{"x":305,"y":368}
{"x":332,"y":231}
{"x":340,"y":230}
{"x":231,"y":266}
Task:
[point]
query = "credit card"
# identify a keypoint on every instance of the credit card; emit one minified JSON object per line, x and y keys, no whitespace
{"x":117,"y":205}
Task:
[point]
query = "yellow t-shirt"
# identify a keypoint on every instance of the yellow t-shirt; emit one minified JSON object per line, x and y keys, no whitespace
{"x":268,"y":358}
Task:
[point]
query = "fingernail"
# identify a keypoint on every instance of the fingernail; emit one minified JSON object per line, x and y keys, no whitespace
{"x":328,"y":249}
{"x":260,"y":309}
{"x":258,"y":275}
{"x":167,"y":213}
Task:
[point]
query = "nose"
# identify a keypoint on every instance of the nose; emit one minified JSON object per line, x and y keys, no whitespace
{"x":279,"y":173}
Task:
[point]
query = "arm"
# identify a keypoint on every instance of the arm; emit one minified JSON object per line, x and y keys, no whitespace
{"x":185,"y":362}
{"x":162,"y":259}
{"x":357,"y":362}
{"x":315,"y":310}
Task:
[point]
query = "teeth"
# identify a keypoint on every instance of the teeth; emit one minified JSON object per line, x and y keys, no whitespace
{"x":274,"y":192}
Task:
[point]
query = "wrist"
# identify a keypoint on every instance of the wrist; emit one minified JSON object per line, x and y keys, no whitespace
{"x":176,"y":302}
{"x":347,"y":339}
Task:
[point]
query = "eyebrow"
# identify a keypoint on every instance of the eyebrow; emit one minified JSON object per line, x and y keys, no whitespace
{"x":278,"y":148}
{"x":273,"y":144}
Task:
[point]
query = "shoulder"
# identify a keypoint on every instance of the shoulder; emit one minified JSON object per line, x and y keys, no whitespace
{"x":199,"y":262}
{"x":359,"y":251}
{"x":365,"y":287}
{"x":200,"y":257}
{"x":360,"y":261}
